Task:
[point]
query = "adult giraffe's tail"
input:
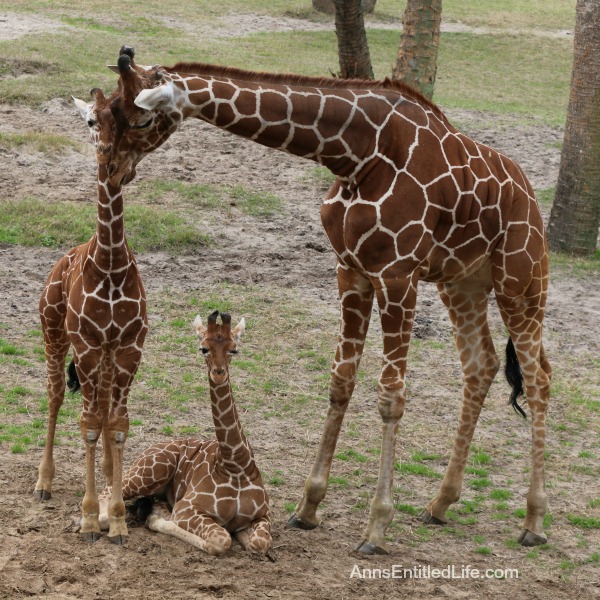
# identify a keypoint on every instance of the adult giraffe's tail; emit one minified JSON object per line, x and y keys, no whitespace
{"x":514,"y":376}
{"x":73,"y":382}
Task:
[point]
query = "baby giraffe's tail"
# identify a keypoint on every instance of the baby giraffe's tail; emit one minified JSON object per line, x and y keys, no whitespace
{"x":514,"y":376}
{"x":73,"y":380}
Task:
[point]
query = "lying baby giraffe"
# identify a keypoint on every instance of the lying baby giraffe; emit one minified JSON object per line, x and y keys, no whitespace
{"x":213,"y":489}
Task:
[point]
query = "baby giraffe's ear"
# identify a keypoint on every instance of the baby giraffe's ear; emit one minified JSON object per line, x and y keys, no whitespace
{"x":239,"y":330}
{"x":199,"y":327}
{"x":82,"y":107}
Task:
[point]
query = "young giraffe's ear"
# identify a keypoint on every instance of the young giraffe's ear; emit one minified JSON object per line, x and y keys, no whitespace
{"x":199,"y":327}
{"x":82,"y":107}
{"x":239,"y":330}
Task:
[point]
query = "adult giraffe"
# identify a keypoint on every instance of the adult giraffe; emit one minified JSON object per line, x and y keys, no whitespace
{"x":94,"y":300}
{"x":414,"y":199}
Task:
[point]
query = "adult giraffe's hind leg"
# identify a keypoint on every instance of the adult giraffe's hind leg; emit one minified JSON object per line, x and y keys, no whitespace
{"x":356,"y":299}
{"x":467,"y":303}
{"x":523,"y":315}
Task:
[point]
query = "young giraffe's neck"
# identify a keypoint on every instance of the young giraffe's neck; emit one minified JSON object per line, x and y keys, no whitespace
{"x":110,"y":253}
{"x":235,"y":454}
{"x":325,"y":124}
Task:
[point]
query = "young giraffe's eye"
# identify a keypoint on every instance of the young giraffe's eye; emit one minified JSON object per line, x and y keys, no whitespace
{"x":234,"y":351}
{"x":204,"y":350}
{"x":91,"y":123}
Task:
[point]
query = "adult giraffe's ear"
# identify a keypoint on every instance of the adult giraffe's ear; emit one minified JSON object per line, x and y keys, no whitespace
{"x":154,"y":97}
{"x":238,"y":330}
{"x":82,"y":107}
{"x":199,"y":327}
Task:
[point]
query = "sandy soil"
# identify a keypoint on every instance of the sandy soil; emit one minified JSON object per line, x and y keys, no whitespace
{"x":40,"y":553}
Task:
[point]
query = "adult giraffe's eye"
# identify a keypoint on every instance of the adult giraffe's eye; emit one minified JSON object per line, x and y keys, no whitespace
{"x":144,"y":125}
{"x":234,"y":351}
{"x":91,"y":123}
{"x":204,"y":350}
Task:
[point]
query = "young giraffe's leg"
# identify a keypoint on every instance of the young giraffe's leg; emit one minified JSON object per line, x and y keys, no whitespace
{"x":201,"y":531}
{"x":356,"y":299}
{"x":149,"y":475}
{"x":467,"y":303}
{"x":257,"y":537}
{"x":396,"y":301}
{"x":56,"y":346}
{"x":523,"y":315}
{"x":88,"y":361}
{"x":125,"y":365}
{"x":56,"y":350}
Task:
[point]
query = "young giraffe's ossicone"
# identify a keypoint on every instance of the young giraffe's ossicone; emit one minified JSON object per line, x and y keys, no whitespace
{"x":94,"y":301}
{"x":207,"y":490}
{"x":415,"y":199}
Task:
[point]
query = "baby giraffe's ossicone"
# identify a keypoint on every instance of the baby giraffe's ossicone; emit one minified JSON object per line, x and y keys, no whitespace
{"x":208,"y":491}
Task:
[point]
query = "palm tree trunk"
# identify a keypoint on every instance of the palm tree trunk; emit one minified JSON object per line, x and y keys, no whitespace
{"x":416,"y":63}
{"x":353,"y":49}
{"x":575,"y":215}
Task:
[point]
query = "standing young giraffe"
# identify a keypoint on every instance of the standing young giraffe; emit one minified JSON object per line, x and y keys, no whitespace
{"x":414,"y":199}
{"x":94,"y":300}
{"x":212,"y":488}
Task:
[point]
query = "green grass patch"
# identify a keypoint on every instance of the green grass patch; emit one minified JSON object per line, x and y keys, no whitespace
{"x":416,"y":469}
{"x":32,"y":222}
{"x":38,"y":140}
{"x":584,"y":522}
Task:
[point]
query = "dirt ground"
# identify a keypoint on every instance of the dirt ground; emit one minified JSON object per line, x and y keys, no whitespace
{"x":40,"y":552}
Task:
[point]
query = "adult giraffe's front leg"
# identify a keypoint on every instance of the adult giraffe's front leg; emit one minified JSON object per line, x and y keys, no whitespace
{"x":356,"y":299}
{"x":396,"y":299}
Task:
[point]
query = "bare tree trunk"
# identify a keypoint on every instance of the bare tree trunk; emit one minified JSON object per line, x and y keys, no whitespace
{"x":575,"y":215}
{"x":326,"y":6}
{"x":416,"y":63}
{"x":353,"y":49}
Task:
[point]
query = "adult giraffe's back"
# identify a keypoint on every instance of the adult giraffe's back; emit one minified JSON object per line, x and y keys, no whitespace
{"x":414,"y":199}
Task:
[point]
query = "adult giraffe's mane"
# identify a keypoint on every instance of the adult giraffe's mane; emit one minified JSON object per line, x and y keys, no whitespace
{"x":333,"y":83}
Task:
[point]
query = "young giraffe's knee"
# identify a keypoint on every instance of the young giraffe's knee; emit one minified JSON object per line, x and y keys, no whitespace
{"x":218,"y":543}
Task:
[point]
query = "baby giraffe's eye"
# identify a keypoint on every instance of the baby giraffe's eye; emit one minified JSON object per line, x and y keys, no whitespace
{"x":91,"y":123}
{"x":234,"y":351}
{"x":204,"y":350}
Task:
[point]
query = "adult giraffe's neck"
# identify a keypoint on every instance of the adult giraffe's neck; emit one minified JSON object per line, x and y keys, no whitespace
{"x":110,"y":252}
{"x":235,"y":452}
{"x":326,"y":125}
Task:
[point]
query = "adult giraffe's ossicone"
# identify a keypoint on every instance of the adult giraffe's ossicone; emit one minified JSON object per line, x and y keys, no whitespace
{"x":414,"y":199}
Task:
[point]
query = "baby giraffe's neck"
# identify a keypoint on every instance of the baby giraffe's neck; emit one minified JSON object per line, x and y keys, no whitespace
{"x":235,"y":453}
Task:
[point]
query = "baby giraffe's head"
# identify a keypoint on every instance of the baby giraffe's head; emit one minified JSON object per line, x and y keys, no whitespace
{"x":219,"y":343}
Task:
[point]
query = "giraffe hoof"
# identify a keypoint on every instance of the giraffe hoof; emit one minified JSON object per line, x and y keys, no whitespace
{"x":428,"y":518}
{"x":528,"y":538}
{"x":90,"y":536}
{"x":42,"y":494}
{"x":118,"y":540}
{"x":298,"y":523}
{"x":365,"y":547}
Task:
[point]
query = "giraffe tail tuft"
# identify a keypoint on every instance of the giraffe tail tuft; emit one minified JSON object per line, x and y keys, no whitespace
{"x":73,"y":381}
{"x":514,"y":376}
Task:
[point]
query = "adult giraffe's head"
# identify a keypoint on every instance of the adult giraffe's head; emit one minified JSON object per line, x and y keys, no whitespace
{"x":218,"y":343}
{"x":123,"y":132}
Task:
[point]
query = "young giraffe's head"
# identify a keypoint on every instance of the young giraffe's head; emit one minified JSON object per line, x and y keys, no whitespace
{"x":219,"y":343}
{"x":99,"y":118}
